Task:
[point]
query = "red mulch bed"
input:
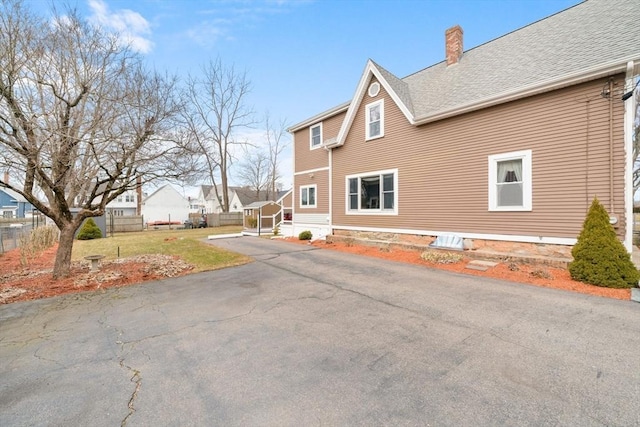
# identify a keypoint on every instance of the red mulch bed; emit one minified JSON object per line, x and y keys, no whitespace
{"x":34,"y":281}
{"x":561,"y":278}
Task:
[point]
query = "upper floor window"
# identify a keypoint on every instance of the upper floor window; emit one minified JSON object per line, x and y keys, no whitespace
{"x":375,"y":119}
{"x":510,"y":184}
{"x":129,"y":198}
{"x":375,"y":192}
{"x":308,"y":196}
{"x":315,"y":134}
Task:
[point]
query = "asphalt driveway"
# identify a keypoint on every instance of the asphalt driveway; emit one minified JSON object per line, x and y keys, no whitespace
{"x":304,"y":336}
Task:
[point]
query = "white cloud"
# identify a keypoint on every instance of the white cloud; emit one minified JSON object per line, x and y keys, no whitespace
{"x":131,"y":27}
{"x":235,"y":15}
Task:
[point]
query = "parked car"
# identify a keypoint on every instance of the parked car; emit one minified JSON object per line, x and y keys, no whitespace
{"x":200,"y":223}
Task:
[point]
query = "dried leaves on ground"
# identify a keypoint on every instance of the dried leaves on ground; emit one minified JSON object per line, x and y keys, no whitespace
{"x":35,"y":280}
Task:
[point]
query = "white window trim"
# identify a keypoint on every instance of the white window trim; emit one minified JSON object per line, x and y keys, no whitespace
{"x":527,"y":183}
{"x":315,"y":199}
{"x":311,"y":146}
{"x":379,"y":211}
{"x":366,"y":120}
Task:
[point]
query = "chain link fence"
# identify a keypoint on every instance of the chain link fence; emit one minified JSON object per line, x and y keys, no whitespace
{"x":11,"y":235}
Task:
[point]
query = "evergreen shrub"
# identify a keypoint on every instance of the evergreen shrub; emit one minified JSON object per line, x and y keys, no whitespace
{"x":599,"y":257}
{"x":89,"y":230}
{"x":305,"y":235}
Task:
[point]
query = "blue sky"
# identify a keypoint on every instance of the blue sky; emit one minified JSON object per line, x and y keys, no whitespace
{"x":305,"y":56}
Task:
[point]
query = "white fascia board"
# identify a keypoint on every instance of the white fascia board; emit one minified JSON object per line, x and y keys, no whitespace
{"x":502,"y":237}
{"x":324,"y":168}
{"x":593,"y":73}
{"x":283,"y":196}
{"x":369,"y":69}
{"x":319,"y":117}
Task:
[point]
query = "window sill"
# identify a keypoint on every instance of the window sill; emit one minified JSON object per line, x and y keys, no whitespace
{"x":511,"y":209}
{"x":372,"y":212}
{"x":371,"y":138}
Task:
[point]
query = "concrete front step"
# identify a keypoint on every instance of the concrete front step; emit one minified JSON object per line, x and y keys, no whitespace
{"x":480,"y":265}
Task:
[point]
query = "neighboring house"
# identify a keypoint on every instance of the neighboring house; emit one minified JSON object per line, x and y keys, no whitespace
{"x":14,"y":205}
{"x":266,"y":213}
{"x":125,"y":204}
{"x":164,"y":205}
{"x":507,"y":142}
{"x":239,"y":197}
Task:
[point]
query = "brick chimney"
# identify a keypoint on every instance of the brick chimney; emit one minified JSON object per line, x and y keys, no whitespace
{"x":6,"y":177}
{"x":453,"y":44}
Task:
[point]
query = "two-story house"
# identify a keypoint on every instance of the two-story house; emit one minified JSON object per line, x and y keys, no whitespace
{"x":505,"y":144}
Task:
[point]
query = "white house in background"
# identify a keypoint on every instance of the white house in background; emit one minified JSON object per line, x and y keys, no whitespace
{"x":165,"y":204}
{"x":239,"y":197}
{"x":125,"y":204}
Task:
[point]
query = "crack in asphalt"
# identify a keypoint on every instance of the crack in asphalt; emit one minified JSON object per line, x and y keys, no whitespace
{"x":137,"y":379}
{"x":342,"y":288}
{"x":286,"y":300}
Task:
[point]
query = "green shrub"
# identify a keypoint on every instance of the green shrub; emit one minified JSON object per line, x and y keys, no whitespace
{"x":253,"y":222}
{"x":599,"y":258}
{"x":305,"y":235}
{"x":89,"y":230}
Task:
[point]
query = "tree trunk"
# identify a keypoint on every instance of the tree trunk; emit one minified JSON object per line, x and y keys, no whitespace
{"x":62,"y":265}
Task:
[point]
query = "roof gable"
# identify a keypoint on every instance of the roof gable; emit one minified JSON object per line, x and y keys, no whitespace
{"x":167,"y":189}
{"x":396,"y":88}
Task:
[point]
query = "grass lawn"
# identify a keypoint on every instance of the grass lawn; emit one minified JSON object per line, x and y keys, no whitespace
{"x":186,"y":244}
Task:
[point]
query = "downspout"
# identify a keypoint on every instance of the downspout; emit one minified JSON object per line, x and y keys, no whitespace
{"x":612,"y":205}
{"x":330,"y":219}
{"x":629,"y":116}
{"x":293,"y":184}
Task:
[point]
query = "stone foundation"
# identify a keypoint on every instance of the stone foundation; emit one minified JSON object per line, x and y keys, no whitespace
{"x":529,"y":253}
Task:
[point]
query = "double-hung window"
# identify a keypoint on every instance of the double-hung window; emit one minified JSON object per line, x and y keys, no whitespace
{"x":375,"y":192}
{"x":510,"y":183}
{"x":375,"y":119}
{"x":308,"y":196}
{"x":315,"y":136}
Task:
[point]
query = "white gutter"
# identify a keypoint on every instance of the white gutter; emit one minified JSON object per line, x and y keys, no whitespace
{"x":607,"y":69}
{"x":629,"y":116}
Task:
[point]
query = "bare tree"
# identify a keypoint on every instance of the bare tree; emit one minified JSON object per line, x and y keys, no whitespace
{"x":80,"y":118}
{"x":216,"y":112}
{"x":253,"y":170}
{"x":275,"y":136}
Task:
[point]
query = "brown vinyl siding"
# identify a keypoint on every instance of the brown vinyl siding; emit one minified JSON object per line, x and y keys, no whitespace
{"x":287,"y":201}
{"x":443,"y":166}
{"x":321,"y":180}
{"x":308,"y":159}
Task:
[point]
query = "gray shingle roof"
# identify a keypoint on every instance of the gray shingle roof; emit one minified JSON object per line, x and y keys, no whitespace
{"x":590,"y":34}
{"x":593,"y":39}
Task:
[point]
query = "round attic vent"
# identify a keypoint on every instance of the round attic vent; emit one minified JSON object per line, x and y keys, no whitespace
{"x":374,"y":89}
